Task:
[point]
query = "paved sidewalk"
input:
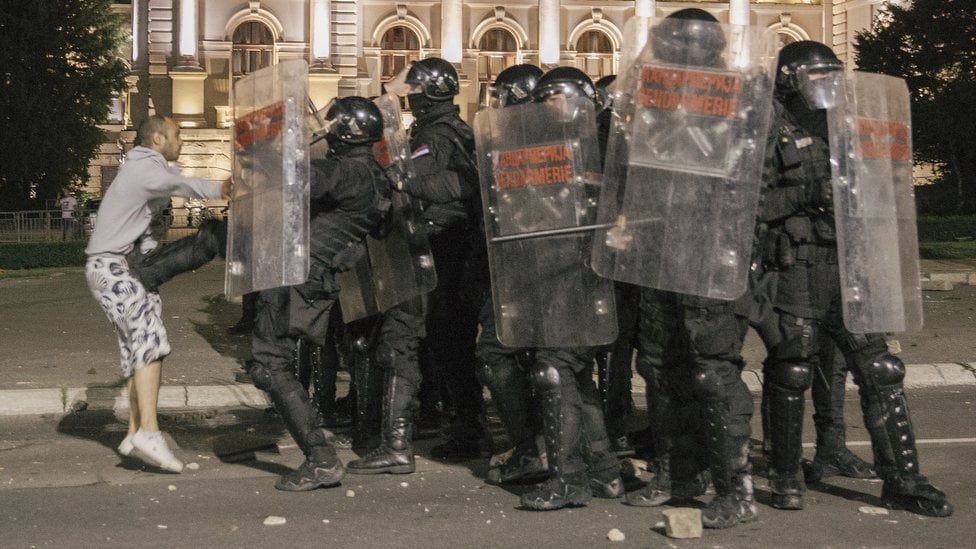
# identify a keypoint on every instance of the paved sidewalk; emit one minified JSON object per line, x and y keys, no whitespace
{"x":58,"y":352}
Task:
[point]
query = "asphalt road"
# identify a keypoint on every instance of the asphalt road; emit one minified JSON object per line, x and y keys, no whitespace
{"x":62,"y":485}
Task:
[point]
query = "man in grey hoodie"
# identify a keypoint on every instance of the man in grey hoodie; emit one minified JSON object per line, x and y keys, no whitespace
{"x":130,"y":224}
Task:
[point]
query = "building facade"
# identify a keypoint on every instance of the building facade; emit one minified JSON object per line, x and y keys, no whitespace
{"x":185,"y":55}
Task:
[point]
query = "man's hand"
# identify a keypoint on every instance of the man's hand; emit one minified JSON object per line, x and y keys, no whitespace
{"x":226,"y":188}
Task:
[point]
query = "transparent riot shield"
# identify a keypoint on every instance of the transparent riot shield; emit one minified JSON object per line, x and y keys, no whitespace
{"x":539,"y":168}
{"x":400,"y":265}
{"x":684,"y":158}
{"x":267,"y":240}
{"x":874,"y":204}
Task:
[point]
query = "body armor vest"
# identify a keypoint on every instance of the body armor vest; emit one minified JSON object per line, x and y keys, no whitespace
{"x":337,"y":229}
{"x":804,"y":160}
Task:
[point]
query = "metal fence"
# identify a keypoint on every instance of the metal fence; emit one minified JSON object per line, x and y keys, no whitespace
{"x":49,"y":226}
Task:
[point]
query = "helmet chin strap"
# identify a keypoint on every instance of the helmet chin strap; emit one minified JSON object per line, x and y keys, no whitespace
{"x":337,"y":146}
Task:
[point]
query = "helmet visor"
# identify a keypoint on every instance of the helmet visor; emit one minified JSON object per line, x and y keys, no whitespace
{"x":820,"y":85}
{"x":317,"y":122}
{"x":401,"y":87}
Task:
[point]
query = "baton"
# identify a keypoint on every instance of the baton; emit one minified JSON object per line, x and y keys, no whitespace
{"x":567,"y":230}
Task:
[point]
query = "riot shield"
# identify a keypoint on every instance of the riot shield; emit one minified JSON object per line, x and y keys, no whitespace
{"x":874,"y":204}
{"x":684,"y":159}
{"x":267,"y":239}
{"x":539,"y":166}
{"x":400,"y":265}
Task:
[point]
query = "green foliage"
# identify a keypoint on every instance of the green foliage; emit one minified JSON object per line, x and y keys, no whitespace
{"x":34,"y":255}
{"x":947,"y":250}
{"x":58,"y":72}
{"x":946,"y":228}
{"x":932,"y":45}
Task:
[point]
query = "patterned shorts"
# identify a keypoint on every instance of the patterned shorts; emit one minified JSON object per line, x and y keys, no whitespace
{"x":135,"y":313}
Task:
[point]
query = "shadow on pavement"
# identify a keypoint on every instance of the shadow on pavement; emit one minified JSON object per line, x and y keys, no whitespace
{"x":233,"y":436}
{"x":221,"y":315}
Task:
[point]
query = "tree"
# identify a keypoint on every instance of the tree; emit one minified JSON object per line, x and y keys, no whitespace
{"x":932,"y":45}
{"x":58,"y":72}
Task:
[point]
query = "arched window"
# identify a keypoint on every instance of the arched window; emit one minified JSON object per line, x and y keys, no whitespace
{"x":595,"y":51}
{"x":786,"y":38}
{"x":499,"y":50}
{"x":253,"y":48}
{"x":398,"y":47}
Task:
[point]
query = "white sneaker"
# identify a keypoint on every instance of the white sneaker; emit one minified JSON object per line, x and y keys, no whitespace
{"x":126,"y":447}
{"x":153,"y":449}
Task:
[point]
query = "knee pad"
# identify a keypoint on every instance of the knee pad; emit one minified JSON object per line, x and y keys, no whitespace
{"x":708,"y":383}
{"x":545,"y":378}
{"x":498,"y":374}
{"x":885,"y":370}
{"x":793,"y":377}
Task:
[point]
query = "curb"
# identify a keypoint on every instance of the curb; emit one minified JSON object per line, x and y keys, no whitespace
{"x":14,"y":402}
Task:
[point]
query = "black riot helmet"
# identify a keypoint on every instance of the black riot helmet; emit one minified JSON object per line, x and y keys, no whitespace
{"x":691,"y":37}
{"x":568,"y":81}
{"x":433,"y":77}
{"x":353,"y":120}
{"x":514,"y":85}
{"x":808,"y":68}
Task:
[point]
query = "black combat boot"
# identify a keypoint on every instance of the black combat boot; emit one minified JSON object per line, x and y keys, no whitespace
{"x":830,"y":463}
{"x":321,"y":469}
{"x":394,"y":454}
{"x":786,"y":424}
{"x":734,"y":502}
{"x":568,"y":483}
{"x":896,"y":456}
{"x":603,"y":466}
{"x":521,"y":464}
{"x":511,"y":394}
{"x":188,"y":253}
{"x":658,"y":490}
{"x":832,"y":457}
{"x":728,"y":462}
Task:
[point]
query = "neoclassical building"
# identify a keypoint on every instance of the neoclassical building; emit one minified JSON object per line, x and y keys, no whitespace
{"x":185,"y":55}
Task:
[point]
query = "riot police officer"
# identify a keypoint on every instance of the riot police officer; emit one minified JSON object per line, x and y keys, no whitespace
{"x":801,"y":253}
{"x":578,"y":454}
{"x":447,"y":182}
{"x":689,"y":349}
{"x":614,"y":361}
{"x":502,"y":369}
{"x":349,"y":198}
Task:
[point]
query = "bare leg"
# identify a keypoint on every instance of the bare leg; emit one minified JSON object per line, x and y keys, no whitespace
{"x":146,"y":381}
{"x":134,"y":415}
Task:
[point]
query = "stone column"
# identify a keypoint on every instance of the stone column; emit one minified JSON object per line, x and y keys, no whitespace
{"x":451,"y":23}
{"x":549,"y":29}
{"x":188,"y":76}
{"x":323,"y":78}
{"x":644,"y":8}
{"x":739,"y":12}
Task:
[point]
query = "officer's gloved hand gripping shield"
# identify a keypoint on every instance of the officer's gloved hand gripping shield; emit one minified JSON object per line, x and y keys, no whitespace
{"x":539,"y":168}
{"x":398,"y":264}
{"x":267,"y":244}
{"x":874,"y":203}
{"x":684,"y":157}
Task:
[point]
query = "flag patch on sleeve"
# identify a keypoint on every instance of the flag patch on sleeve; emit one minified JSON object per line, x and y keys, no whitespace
{"x":420,"y":151}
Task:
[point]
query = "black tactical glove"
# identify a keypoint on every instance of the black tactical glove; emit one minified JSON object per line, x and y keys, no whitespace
{"x":396,"y":176}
